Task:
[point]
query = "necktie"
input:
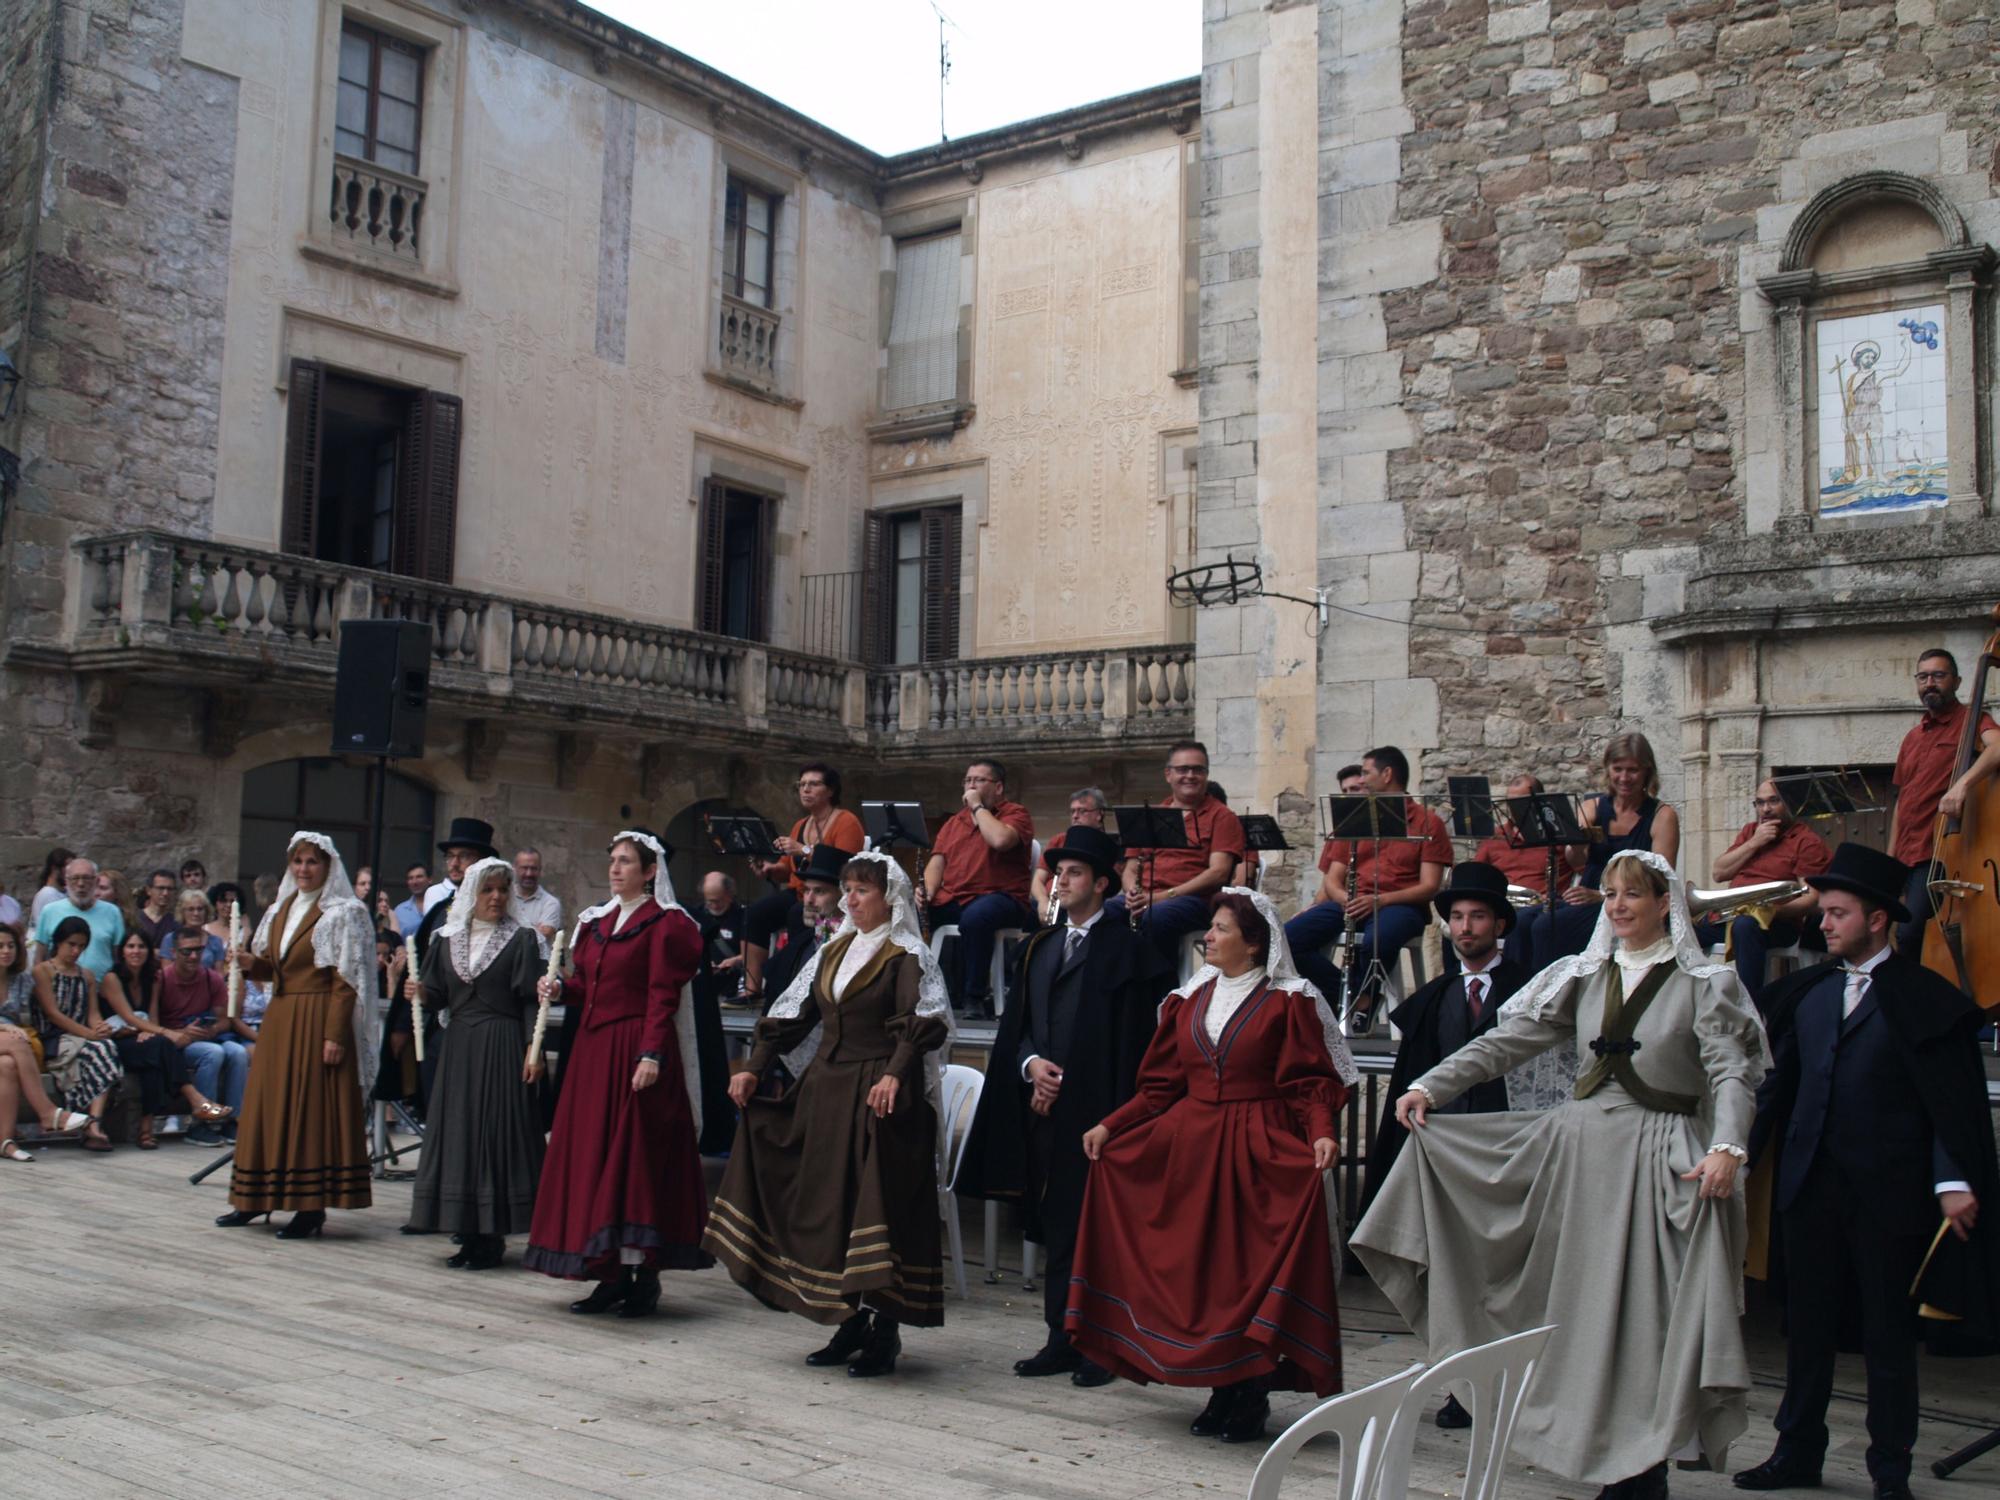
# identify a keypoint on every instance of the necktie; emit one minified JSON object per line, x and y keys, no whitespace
{"x":1072,"y":940}
{"x":1857,"y":986}
{"x":1475,"y":995}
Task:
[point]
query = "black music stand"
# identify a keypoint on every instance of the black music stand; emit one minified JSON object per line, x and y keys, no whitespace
{"x":895,"y":825}
{"x":745,"y":835}
{"x":1819,"y":795}
{"x":1471,"y":806}
{"x":1262,"y":833}
{"x":1377,"y":821}
{"x":1143,"y":831}
{"x":1548,"y":820}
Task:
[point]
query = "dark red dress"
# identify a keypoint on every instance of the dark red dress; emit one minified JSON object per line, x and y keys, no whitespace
{"x":1204,"y":1256}
{"x":622,"y":1171}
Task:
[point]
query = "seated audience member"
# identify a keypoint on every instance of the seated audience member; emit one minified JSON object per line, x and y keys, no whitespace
{"x":102,"y":920}
{"x":263,"y":891}
{"x":1774,"y":845}
{"x":193,"y":909}
{"x":194,"y":875}
{"x":1394,"y":882}
{"x":77,"y":1050}
{"x":1172,"y":889}
{"x":978,"y":878}
{"x":1087,"y":808}
{"x":194,"y":1011}
{"x":52,"y":886}
{"x":150,"y":1052}
{"x":544,"y":911}
{"x":155,"y":916}
{"x":21,"y":1052}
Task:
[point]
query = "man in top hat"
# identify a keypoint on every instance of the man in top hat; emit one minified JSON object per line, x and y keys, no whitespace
{"x":1876,"y":1109}
{"x":818,"y":916}
{"x":1447,"y":1013}
{"x":1086,"y":995}
{"x":399,"y":1079}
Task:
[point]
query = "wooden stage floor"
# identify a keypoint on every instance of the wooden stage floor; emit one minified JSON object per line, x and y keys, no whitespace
{"x":145,"y":1353}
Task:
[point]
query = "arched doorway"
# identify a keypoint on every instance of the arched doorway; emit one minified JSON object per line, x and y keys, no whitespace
{"x":337,"y":799}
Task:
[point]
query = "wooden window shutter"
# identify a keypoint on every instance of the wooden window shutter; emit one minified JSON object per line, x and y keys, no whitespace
{"x":941,"y":580}
{"x":760,"y":573}
{"x":878,"y":590}
{"x":299,"y":527}
{"x":709,"y":540}
{"x":426,"y":514}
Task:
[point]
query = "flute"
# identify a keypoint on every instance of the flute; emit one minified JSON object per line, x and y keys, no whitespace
{"x":556,"y":947}
{"x":235,"y":960}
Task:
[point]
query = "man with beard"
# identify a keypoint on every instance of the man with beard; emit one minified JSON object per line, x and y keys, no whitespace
{"x":1067,"y":1053}
{"x":1775,"y":846}
{"x":1447,"y":1013}
{"x":1924,"y":785}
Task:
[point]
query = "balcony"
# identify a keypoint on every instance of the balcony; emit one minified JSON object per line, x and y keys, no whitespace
{"x":746,"y":350}
{"x":147,"y":605}
{"x":375,"y":208}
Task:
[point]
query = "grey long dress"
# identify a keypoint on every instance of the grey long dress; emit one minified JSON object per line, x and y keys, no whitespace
{"x":483,"y":1144}
{"x":1493,"y":1224}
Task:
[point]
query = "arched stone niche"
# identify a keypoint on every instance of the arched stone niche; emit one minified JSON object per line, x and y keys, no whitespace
{"x":1883,"y":327}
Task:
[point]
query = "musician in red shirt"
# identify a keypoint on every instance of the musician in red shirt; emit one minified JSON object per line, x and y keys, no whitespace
{"x":1924,"y":786}
{"x":977,"y":878}
{"x":1393,"y":886}
{"x":1171,"y":889}
{"x":1522,"y":867}
{"x":1773,"y":846}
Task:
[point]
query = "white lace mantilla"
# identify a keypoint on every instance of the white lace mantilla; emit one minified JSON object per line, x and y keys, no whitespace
{"x":343,"y":940}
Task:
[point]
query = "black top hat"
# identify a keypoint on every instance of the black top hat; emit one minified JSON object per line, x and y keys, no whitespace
{"x":1475,"y":881}
{"x":469,"y":833}
{"x":1866,"y":872}
{"x":824,"y":864}
{"x":1093,"y":846}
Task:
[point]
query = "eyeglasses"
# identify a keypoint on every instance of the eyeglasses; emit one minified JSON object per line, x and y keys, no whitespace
{"x":1923,"y":677}
{"x":1767,"y":801}
{"x":1187,"y":770}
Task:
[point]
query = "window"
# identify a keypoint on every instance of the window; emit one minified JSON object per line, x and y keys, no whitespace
{"x":371,"y":473}
{"x":736,"y":561}
{"x":923,"y":323}
{"x":749,"y":225}
{"x":339,"y":799}
{"x":911,"y":589}
{"x":381,"y":108}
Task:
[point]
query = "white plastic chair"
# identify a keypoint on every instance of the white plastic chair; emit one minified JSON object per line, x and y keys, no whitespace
{"x":997,"y":979}
{"x":958,"y":1102}
{"x":1494,"y":1377}
{"x":1366,"y":1422}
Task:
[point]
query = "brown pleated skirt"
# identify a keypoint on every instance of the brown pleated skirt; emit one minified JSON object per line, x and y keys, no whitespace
{"x":303,"y":1140}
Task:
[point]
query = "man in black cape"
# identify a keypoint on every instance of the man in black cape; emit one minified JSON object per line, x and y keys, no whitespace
{"x":1447,"y":1013}
{"x":1086,"y":997}
{"x":1876,"y":1110}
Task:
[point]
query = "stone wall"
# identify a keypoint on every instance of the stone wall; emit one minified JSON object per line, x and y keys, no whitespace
{"x":27,"y":62}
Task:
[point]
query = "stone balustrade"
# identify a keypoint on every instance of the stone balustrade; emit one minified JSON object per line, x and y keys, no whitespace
{"x":747,"y":343}
{"x":145,"y":601}
{"x":377,"y":207}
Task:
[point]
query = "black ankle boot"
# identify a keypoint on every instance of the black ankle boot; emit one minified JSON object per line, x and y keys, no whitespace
{"x":1650,"y":1485}
{"x":605,"y":1296}
{"x":305,"y":1224}
{"x":878,"y":1355}
{"x":1216,"y":1413}
{"x":482,"y":1252}
{"x":642,"y":1297}
{"x":848,"y":1341}
{"x":1248,"y":1416}
{"x":236,"y":1218}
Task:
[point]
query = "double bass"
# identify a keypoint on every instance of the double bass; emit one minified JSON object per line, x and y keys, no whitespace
{"x":1963,"y":943}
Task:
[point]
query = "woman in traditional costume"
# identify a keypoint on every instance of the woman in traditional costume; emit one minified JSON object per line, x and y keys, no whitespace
{"x":1613,"y":1216}
{"x":622,"y":1193}
{"x":483,"y":1146}
{"x":1205,"y":1256}
{"x":303,"y":1141}
{"x":829,"y":1207}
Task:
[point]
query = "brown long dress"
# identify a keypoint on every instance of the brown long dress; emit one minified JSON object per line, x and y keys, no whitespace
{"x":303,"y":1141}
{"x":824,"y":1206}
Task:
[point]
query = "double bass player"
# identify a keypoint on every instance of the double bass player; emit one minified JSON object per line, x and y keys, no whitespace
{"x":1925,"y":785}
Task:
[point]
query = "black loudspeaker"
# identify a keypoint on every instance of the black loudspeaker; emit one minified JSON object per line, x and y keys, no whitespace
{"x":383,"y":686}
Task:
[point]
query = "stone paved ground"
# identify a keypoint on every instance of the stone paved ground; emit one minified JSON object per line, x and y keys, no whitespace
{"x":144,"y":1352}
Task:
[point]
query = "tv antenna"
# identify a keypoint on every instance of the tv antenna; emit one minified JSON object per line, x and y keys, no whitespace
{"x":944,"y":61}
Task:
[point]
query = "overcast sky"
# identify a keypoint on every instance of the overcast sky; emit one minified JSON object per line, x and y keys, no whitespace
{"x":869,"y":68}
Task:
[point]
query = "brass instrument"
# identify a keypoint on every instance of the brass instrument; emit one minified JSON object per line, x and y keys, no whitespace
{"x":1760,"y":901}
{"x":1521,"y":897}
{"x":1055,"y":903}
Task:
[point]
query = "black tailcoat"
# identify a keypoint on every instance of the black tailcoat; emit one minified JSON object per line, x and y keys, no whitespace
{"x":1418,"y":1019}
{"x":1899,"y":1104}
{"x":1111,"y":1014}
{"x":389,"y":1086}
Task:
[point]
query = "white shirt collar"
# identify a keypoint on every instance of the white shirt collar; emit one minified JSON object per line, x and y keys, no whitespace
{"x":1869,"y":965}
{"x":626,"y":906}
{"x":1088,"y":922}
{"x":1658,"y":952}
{"x":1492,"y":962}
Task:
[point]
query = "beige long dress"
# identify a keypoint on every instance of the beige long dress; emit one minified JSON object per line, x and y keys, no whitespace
{"x":1496,"y":1223}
